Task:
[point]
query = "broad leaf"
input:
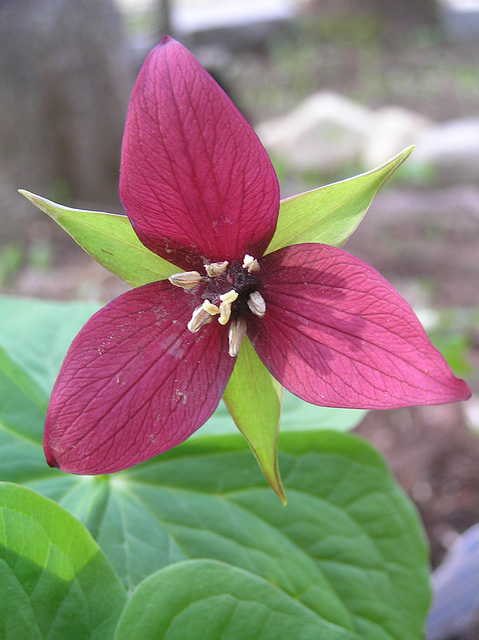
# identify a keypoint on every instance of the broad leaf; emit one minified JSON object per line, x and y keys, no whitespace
{"x":37,"y":333}
{"x":348,"y":546}
{"x":110,"y":239}
{"x":254,"y":398}
{"x":55,"y":581}
{"x":206,"y":600}
{"x":23,"y":405}
{"x":207,"y":499}
{"x":331,"y":213}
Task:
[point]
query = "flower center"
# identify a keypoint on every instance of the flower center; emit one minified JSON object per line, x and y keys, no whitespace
{"x":230,"y":290}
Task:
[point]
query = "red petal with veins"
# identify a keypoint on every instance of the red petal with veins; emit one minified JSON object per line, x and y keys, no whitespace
{"x":195,"y":180}
{"x":135,"y":382}
{"x":337,"y":334}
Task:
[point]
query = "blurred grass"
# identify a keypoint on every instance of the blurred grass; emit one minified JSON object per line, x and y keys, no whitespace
{"x":420,"y":70}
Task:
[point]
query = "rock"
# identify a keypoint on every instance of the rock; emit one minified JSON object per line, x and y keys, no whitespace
{"x":392,"y":129}
{"x":324,"y":133}
{"x":455,"y":609}
{"x":450,"y":151}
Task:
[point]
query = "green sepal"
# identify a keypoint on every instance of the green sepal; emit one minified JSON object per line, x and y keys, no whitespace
{"x":330,"y":214}
{"x":109,"y":238}
{"x":254,"y":400}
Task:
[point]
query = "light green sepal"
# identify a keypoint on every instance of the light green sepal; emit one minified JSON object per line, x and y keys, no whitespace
{"x":330,"y":214}
{"x":254,"y":399}
{"x":110,"y":239}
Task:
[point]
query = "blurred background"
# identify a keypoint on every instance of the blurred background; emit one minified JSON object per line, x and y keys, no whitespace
{"x":333,"y":88}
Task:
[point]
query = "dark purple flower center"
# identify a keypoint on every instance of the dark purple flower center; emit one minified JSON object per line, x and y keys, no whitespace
{"x":230,"y":290}
{"x":235,"y":278}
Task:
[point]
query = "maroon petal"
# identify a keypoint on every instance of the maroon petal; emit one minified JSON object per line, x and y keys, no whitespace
{"x":337,"y":334}
{"x":194,"y":177}
{"x":135,"y":382}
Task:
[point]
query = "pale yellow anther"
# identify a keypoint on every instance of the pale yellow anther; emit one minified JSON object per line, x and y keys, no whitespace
{"x":229,"y":297}
{"x":250,"y":263}
{"x":216,"y":269}
{"x":225,"y":312}
{"x":186,"y":279}
{"x":210,"y":308}
{"x":236,"y":333}
{"x":257,"y":304}
{"x":199,"y":318}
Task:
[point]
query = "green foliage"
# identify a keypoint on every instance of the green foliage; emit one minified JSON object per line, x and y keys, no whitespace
{"x":198,"y":540}
{"x":55,"y":581}
{"x":203,"y":599}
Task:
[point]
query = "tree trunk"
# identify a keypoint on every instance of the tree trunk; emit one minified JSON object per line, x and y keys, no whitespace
{"x":65,"y":81}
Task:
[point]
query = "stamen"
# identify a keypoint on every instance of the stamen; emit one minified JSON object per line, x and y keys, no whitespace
{"x":199,"y":318}
{"x":225,"y":312}
{"x":210,"y":308}
{"x":257,"y":304}
{"x":186,"y":279}
{"x":236,"y":333}
{"x":250,"y":263}
{"x":216,"y":269}
{"x":229,"y":297}
{"x":225,"y":307}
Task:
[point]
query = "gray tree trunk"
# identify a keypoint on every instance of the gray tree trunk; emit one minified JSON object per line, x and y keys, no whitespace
{"x":65,"y":79}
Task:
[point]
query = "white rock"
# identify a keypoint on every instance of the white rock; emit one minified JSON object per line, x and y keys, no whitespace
{"x":324,"y":133}
{"x":392,"y":129}
{"x":450,"y":150}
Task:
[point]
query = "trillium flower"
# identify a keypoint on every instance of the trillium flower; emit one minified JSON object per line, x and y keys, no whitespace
{"x":151,"y":367}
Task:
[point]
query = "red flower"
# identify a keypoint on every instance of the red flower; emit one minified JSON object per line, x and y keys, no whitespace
{"x":150,"y":368}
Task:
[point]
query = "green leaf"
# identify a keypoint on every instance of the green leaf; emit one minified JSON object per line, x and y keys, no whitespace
{"x":206,"y":600}
{"x":109,"y":238}
{"x":253,"y":398}
{"x":37,"y":333}
{"x":330,"y":214}
{"x":22,"y":414}
{"x":55,"y":581}
{"x":348,"y":547}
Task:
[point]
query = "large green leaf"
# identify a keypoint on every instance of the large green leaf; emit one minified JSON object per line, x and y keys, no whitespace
{"x":55,"y":581}
{"x":110,"y":239}
{"x":207,"y":600}
{"x":37,"y":333}
{"x":348,"y":547}
{"x":331,"y":213}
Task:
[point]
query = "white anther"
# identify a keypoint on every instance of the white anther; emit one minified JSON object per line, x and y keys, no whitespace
{"x":199,"y":318}
{"x":229,"y":297}
{"x":216,"y":269}
{"x":186,"y":279}
{"x":257,"y":304}
{"x":225,"y":307}
{"x":210,"y":308}
{"x":236,"y":333}
{"x":250,"y":263}
{"x":225,"y":312}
